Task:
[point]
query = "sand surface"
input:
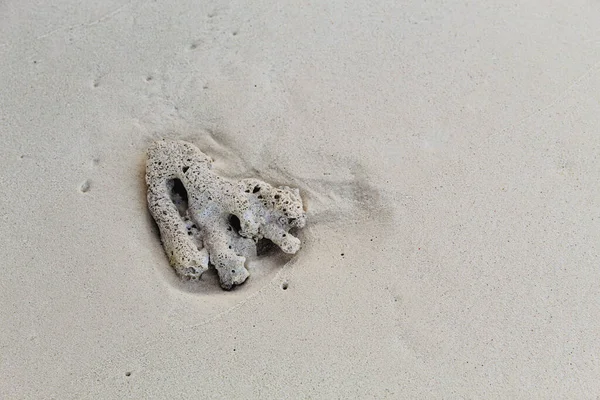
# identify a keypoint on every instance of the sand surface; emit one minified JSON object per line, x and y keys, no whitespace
{"x":447,"y":151}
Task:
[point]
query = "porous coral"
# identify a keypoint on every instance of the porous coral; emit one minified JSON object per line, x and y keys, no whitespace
{"x":207,"y":219}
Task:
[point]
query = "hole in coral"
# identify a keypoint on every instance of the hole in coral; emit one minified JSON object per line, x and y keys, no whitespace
{"x":178,"y":195}
{"x":235,"y":223}
{"x":284,"y":286}
{"x":127,"y":373}
{"x":256,"y":189}
{"x":185,"y":169}
{"x":277,"y":196}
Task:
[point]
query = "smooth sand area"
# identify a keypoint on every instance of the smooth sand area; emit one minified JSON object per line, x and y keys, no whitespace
{"x":447,"y":152}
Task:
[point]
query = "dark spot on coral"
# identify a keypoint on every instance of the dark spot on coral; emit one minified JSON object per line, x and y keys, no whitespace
{"x":277,"y":196}
{"x":284,"y":285}
{"x":233,"y":271}
{"x":342,"y":254}
{"x":256,"y":189}
{"x":291,"y":220}
{"x":185,"y":169}
{"x":127,"y":373}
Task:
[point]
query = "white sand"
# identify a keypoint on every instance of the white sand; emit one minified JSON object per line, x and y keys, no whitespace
{"x":448,"y":150}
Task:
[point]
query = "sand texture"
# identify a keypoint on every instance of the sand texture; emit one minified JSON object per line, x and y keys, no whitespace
{"x":447,"y":153}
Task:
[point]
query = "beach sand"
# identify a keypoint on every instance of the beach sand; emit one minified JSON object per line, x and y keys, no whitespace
{"x":447,"y":154}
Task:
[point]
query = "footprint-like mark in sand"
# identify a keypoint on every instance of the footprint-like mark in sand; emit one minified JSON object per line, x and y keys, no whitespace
{"x":85,"y":186}
{"x":195,"y":44}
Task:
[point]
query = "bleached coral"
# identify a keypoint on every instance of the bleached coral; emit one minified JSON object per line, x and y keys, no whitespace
{"x":204,"y":218}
